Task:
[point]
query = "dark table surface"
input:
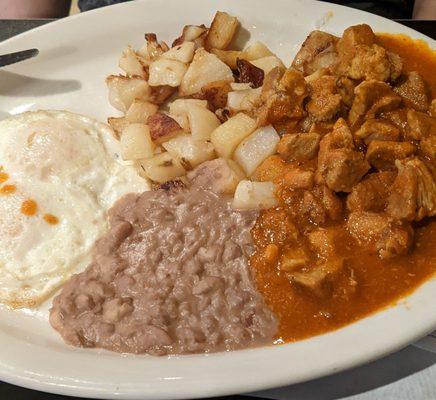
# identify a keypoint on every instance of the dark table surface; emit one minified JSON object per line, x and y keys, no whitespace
{"x":9,"y":28}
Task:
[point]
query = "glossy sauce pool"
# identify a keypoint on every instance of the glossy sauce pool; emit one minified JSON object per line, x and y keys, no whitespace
{"x":416,"y":55}
{"x":380,"y":282}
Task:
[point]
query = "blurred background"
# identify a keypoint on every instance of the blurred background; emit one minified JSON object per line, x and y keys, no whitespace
{"x":393,"y":9}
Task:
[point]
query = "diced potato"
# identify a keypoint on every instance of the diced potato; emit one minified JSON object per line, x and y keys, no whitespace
{"x":180,"y":106}
{"x":236,"y":86}
{"x":243,"y":100}
{"x":235,"y":176}
{"x":234,"y":99}
{"x":221,"y":31}
{"x":254,"y":196}
{"x":257,"y":50}
{"x":182,"y":52}
{"x":202,"y":122}
{"x":123,"y":91}
{"x":163,"y":128}
{"x":268,"y":63}
{"x":227,"y":136}
{"x":161,"y":168}
{"x":216,"y":94}
{"x":178,"y":110}
{"x":188,"y":151}
{"x":219,"y":175}
{"x":253,"y":52}
{"x":228,"y":57}
{"x":182,"y":120}
{"x":192,"y":33}
{"x":160,"y":94}
{"x":253,"y":150}
{"x":136,"y":142}
{"x":204,"y":68}
{"x":152,"y":48}
{"x":139,"y":111}
{"x":131,"y":64}
{"x":166,"y":72}
{"x":118,"y":124}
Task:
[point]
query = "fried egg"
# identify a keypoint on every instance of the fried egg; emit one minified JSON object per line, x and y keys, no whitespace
{"x":59,"y":174}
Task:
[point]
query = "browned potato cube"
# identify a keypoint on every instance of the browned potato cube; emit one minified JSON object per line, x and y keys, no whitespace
{"x":163,"y":128}
{"x":221,"y":31}
{"x":192,"y":33}
{"x":216,"y":94}
{"x":228,"y":57}
{"x":161,"y":168}
{"x":118,"y":124}
{"x":204,"y":69}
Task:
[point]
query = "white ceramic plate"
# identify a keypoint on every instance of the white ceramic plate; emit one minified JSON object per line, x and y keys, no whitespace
{"x":76,"y":55}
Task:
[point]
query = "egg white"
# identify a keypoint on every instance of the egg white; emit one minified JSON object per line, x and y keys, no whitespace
{"x":67,"y":164}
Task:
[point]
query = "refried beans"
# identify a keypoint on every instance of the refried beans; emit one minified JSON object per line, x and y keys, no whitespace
{"x":171,"y":276}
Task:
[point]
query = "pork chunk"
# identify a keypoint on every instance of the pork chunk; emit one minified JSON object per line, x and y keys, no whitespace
{"x":340,"y":167}
{"x":361,"y":58}
{"x":413,"y":194}
{"x":413,"y":89}
{"x":382,"y":234}
{"x":315,"y":206}
{"x":428,"y":148}
{"x":318,"y":278}
{"x":299,"y":146}
{"x":282,"y":96}
{"x":432,"y":110}
{"x":323,"y":241}
{"x":298,"y":178}
{"x":371,"y":193}
{"x":272,"y":169}
{"x":345,"y":168}
{"x":420,"y":125}
{"x":275,"y":227}
{"x":357,"y":35}
{"x":331,"y":202}
{"x":352,"y":38}
{"x":370,"y":62}
{"x":293,"y":258}
{"x":317,"y":51}
{"x":345,"y":87}
{"x":372,"y":98}
{"x":324,"y":100}
{"x":397,"y":117}
{"x":339,"y":137}
{"x":382,"y":154}
{"x":396,"y":65}
{"x":374,"y":129}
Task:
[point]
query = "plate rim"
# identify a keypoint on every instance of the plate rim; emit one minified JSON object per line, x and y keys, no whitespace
{"x":58,"y":386}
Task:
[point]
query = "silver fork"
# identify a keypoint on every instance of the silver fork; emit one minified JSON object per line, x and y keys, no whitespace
{"x":12,"y":58}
